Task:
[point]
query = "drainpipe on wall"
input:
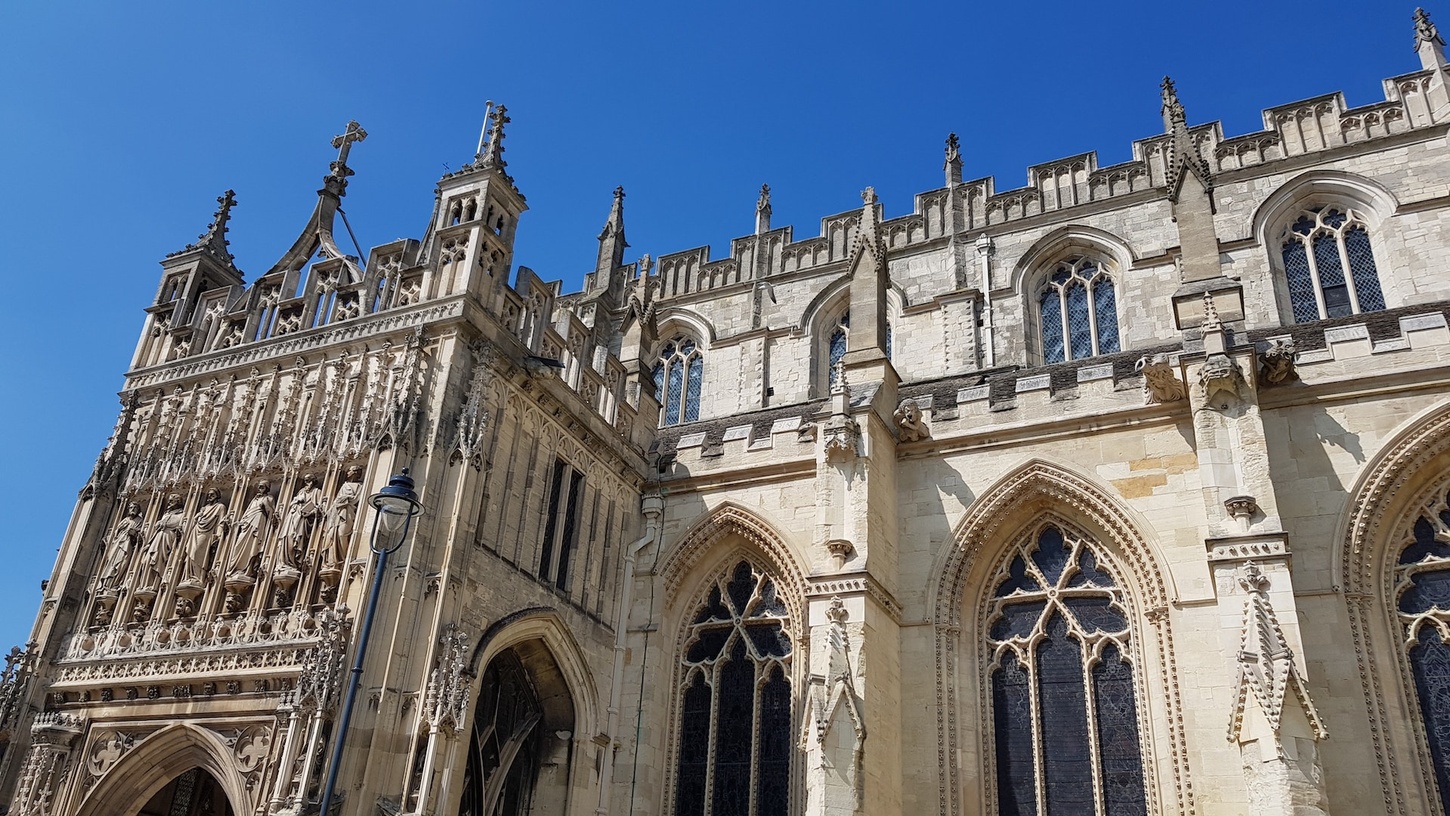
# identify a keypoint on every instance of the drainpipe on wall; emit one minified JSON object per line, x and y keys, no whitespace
{"x":652,"y":506}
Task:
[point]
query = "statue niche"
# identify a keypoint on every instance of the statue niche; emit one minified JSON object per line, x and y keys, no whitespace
{"x":338,"y":523}
{"x":293,"y":539}
{"x":160,"y":545}
{"x":207,"y":529}
{"x":123,"y":541}
{"x":251,"y":536}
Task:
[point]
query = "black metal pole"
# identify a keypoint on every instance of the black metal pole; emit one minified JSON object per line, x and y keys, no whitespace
{"x":354,"y":681}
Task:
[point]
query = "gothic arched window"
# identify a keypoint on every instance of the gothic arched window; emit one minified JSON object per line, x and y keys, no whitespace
{"x":1079,"y":312}
{"x":1422,"y":598}
{"x":679,"y":377}
{"x":1319,"y":248}
{"x":735,"y":722}
{"x":1064,"y":704}
{"x":836,"y":345}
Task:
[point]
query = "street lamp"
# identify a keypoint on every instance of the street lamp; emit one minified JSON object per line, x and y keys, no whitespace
{"x":396,"y":505}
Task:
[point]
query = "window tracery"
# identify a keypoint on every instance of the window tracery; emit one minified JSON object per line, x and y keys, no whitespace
{"x":836,"y":345}
{"x":1329,"y":265}
{"x":679,"y":379}
{"x":1422,"y":602}
{"x":1062,"y":662}
{"x":1079,"y":312}
{"x":503,"y":752}
{"x":735,"y":701}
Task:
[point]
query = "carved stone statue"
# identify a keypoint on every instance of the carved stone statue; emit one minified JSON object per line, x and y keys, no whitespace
{"x":302,"y":514}
{"x":1159,"y":383}
{"x":909,"y":424}
{"x":122,"y":543}
{"x":341,"y":518}
{"x":252,"y":530}
{"x":164,"y":537}
{"x":207,"y":528}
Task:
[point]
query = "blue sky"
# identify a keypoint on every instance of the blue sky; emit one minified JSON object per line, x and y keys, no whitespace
{"x":121,"y":123}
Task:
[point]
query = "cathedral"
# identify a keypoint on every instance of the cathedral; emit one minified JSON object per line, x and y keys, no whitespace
{"x":1125,"y":492}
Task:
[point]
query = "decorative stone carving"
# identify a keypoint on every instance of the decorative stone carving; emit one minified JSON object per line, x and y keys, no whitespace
{"x":841,"y":433}
{"x":446,"y":704}
{"x":1242,"y":509}
{"x":14,"y":680}
{"x":124,"y":540}
{"x":47,"y":766}
{"x":1160,"y":384}
{"x":337,"y":528}
{"x":251,"y":537}
{"x":840,"y":550}
{"x":1276,"y":364}
{"x":321,"y":678}
{"x":294,"y":537}
{"x":207,"y":529}
{"x":473,"y":417}
{"x":1219,"y":379}
{"x":910,"y":427}
{"x":830,"y":692}
{"x":165,"y":535}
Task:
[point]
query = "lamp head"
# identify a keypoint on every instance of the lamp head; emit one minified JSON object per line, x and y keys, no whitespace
{"x":396,"y":506}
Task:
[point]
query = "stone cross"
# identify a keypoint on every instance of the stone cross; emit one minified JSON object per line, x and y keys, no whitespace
{"x":343,"y":143}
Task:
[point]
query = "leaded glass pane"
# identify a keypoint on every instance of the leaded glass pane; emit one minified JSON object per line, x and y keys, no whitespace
{"x":1426,"y":544}
{"x":1361,"y":266}
{"x":1120,"y":756}
{"x":695,"y":381}
{"x":1301,"y":282}
{"x":1430,"y":590}
{"x":1084,"y":715}
{"x":838,"y":350}
{"x":1052,"y":326}
{"x":1012,"y":721}
{"x":739,"y":638}
{"x":659,"y":380}
{"x":1430,"y":661}
{"x":672,"y":399}
{"x":1105,"y":311}
{"x":1331,"y":276}
{"x":1079,"y":322}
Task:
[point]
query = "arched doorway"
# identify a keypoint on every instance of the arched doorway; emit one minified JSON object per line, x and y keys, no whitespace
{"x":520,"y":743}
{"x":193,"y":793}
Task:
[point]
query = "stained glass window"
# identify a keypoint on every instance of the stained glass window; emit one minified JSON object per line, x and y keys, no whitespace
{"x":1423,"y":602}
{"x":1329,"y":266}
{"x":735,"y":697}
{"x":837,"y":345}
{"x":1079,"y":311}
{"x":679,"y":378}
{"x":1064,"y":704}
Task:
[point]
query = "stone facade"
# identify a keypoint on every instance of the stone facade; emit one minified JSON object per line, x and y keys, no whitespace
{"x":1103,"y":494}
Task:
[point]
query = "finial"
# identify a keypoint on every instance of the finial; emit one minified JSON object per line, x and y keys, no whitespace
{"x":762,"y":210}
{"x":838,"y":382}
{"x":1253,"y":579}
{"x":619,"y":193}
{"x":868,"y":196}
{"x":1211,"y":321}
{"x":953,"y":163}
{"x":343,"y":143}
{"x":492,"y":155}
{"x":1173,"y":116}
{"x":214,"y":240}
{"x":1425,"y":31}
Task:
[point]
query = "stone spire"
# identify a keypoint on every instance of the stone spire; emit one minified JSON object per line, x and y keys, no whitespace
{"x":1428,"y":43}
{"x":869,"y":281}
{"x":762,"y":211}
{"x":492,"y":152}
{"x":953,"y":164}
{"x":214,"y":241}
{"x":1183,"y":157}
{"x":611,"y":240}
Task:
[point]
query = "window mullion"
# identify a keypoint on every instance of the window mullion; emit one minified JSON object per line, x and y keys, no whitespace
{"x":712,"y":743}
{"x":1029,"y":659}
{"x":1344,"y":264}
{"x":1308,"y":241}
{"x":1066,"y":323}
{"x":1092,"y":307}
{"x":755,"y":734}
{"x":1090,"y":703}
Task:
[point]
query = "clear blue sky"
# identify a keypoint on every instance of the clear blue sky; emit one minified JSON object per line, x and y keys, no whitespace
{"x":120,"y":123}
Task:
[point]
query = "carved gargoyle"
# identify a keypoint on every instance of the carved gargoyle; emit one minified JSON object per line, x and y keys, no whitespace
{"x":1159,"y":383}
{"x":1276,"y":364}
{"x":909,"y":424}
{"x":1219,"y":377}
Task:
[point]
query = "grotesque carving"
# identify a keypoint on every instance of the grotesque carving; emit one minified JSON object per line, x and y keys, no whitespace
{"x":1219,"y":379}
{"x":1276,"y":364}
{"x":1159,"y":383}
{"x":910,"y":426}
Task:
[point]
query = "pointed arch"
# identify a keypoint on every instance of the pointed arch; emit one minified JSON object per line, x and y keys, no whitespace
{"x":1030,"y":494}
{"x":1067,"y":239}
{"x":672,"y":319}
{"x":763,"y":540}
{"x":544,"y":625}
{"x":1391,"y":488}
{"x":160,"y":758}
{"x":1321,"y":184}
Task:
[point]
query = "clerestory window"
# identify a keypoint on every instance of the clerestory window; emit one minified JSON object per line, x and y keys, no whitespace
{"x":679,"y":378}
{"x":1329,"y":266}
{"x":1422,"y":600}
{"x":735,"y":702}
{"x":1064,"y":703}
{"x":1079,"y":312}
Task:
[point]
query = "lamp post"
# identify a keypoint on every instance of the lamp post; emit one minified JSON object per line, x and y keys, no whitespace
{"x":396,"y":505}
